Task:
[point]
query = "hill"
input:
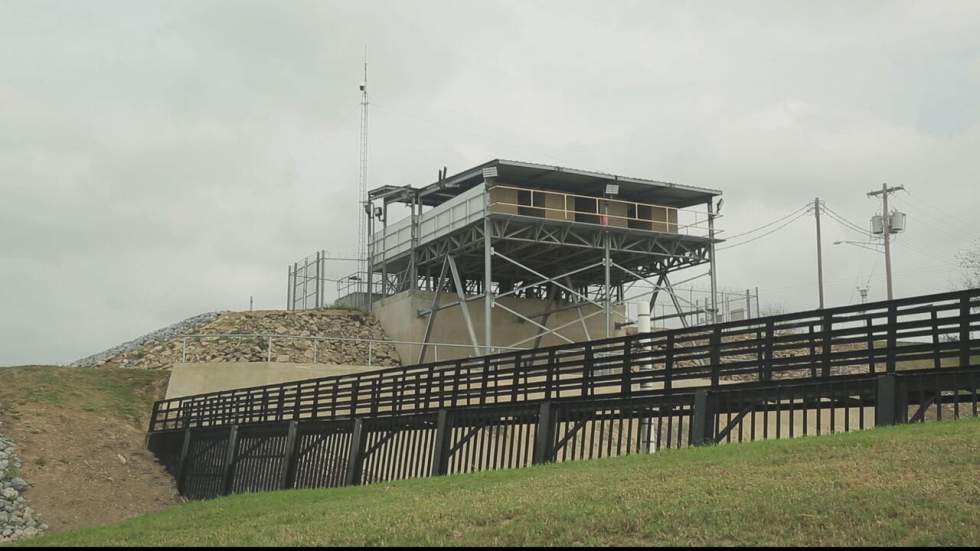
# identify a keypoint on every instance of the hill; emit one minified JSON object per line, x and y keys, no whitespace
{"x":907,"y":485}
{"x":80,"y":436}
{"x":223,"y":336}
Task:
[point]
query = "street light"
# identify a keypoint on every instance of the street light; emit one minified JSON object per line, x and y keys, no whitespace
{"x":861,"y":244}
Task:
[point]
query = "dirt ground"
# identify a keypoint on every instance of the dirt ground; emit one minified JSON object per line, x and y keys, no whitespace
{"x":86,"y":468}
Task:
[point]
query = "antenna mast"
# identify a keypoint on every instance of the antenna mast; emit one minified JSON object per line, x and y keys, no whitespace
{"x":361,"y":199}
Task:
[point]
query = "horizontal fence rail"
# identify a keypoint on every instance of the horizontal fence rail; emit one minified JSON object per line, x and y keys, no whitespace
{"x":935,"y":331}
{"x":322,"y":453}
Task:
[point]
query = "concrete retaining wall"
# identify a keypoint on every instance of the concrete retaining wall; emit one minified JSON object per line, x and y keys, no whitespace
{"x":197,"y":378}
{"x":398,"y":315}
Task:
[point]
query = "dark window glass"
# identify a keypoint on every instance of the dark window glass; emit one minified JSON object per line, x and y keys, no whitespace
{"x":584,"y":207}
{"x":530,"y":204}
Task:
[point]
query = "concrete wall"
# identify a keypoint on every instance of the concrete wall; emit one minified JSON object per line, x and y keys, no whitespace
{"x":398,"y":315}
{"x":197,"y":378}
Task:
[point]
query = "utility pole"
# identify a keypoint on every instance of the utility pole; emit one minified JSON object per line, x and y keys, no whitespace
{"x":886,"y":230}
{"x":713,"y":266}
{"x":363,"y":218}
{"x":816,"y":210}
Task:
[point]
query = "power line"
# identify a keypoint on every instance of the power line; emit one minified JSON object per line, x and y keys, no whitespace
{"x":764,"y":226}
{"x":770,"y":232}
{"x":844,"y":221}
{"x":934,"y":222}
{"x":947,"y":215}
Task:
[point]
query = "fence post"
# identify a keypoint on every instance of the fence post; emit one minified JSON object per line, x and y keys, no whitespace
{"x":544,"y":435}
{"x":702,"y":419}
{"x":182,"y":462}
{"x":440,"y":451}
{"x":268,"y":351}
{"x":289,"y":459}
{"x":767,"y":355}
{"x":827,"y":325}
{"x":965,"y":331}
{"x":587,"y":369}
{"x":355,"y":462}
{"x":886,"y":402}
{"x":892,"y":342}
{"x":183,"y":350}
{"x":627,"y":379}
{"x":228,"y":471}
{"x":715,"y":351}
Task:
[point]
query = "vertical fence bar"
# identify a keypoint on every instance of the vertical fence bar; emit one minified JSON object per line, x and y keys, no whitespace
{"x":290,"y":457}
{"x":626,"y":385}
{"x":715,"y":346}
{"x":231,"y":453}
{"x":182,"y":462}
{"x":770,"y":336}
{"x":885,"y":402}
{"x":544,"y":436}
{"x":965,"y":331}
{"x":355,"y":461}
{"x":702,"y":419}
{"x":826,"y":328}
{"x":892,"y":338}
{"x":440,"y":451}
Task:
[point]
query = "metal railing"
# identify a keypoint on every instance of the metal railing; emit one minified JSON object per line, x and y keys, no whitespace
{"x":627,"y":214}
{"x":283,"y":454}
{"x":936,"y":331}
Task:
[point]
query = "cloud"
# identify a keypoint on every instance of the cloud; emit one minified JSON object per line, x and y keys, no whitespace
{"x":160,"y":159}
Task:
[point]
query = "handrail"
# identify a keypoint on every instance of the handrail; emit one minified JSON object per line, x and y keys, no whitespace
{"x":805,"y":345}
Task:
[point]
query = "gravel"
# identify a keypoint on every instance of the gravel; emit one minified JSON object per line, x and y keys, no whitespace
{"x":189,"y":325}
{"x":17,"y":520}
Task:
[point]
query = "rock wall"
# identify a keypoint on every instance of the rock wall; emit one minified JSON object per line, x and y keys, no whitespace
{"x":226,"y":340}
{"x":17,"y":520}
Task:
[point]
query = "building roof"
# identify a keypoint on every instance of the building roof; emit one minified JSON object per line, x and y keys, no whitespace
{"x":558,"y":178}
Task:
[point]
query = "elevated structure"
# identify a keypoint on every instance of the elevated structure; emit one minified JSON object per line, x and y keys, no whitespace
{"x":553,"y":249}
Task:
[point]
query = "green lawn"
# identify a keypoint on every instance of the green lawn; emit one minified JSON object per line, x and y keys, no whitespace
{"x":909,"y":485}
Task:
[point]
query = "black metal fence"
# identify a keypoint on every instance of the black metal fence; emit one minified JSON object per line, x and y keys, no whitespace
{"x":307,"y":453}
{"x":811,"y":373}
{"x":935,"y":331}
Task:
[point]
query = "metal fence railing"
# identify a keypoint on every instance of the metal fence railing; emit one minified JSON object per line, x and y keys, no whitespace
{"x":317,"y":453}
{"x":934,"y":331}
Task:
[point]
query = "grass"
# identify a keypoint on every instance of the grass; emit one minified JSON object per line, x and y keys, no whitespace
{"x":127,"y":393}
{"x":908,"y":485}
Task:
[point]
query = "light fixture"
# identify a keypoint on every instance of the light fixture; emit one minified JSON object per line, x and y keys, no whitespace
{"x":612,"y":189}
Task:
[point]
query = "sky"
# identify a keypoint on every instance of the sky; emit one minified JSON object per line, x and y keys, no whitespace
{"x":160,"y":159}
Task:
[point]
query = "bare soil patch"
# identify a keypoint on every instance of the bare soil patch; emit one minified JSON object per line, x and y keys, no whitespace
{"x":80,"y":434}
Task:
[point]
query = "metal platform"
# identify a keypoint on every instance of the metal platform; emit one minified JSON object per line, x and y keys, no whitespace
{"x":535,"y":231}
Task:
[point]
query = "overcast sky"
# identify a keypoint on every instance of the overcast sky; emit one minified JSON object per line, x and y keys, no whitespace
{"x":163,"y":159}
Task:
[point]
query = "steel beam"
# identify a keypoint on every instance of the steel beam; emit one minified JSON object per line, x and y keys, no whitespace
{"x":432,"y":315}
{"x":462,"y":304}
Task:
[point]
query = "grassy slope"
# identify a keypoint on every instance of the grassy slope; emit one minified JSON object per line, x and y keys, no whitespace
{"x":896,"y":486}
{"x":124,"y":393}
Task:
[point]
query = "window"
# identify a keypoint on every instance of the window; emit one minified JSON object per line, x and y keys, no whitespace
{"x":639,"y":216}
{"x":584,"y":209}
{"x":530,"y":203}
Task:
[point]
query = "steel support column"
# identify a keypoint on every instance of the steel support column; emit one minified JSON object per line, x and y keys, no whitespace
{"x":461,"y":293}
{"x":487,"y":293}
